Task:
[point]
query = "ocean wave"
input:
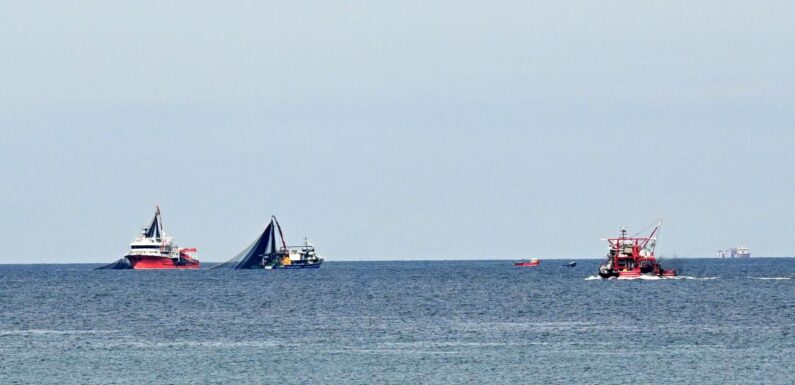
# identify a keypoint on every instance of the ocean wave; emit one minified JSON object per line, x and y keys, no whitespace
{"x":203,"y":344}
{"x":536,"y":327}
{"x":695,"y":278}
{"x":34,"y":332}
{"x":441,"y":344}
{"x":389,"y":351}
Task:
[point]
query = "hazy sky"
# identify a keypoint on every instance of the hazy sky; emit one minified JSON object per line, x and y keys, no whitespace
{"x":396,"y":130}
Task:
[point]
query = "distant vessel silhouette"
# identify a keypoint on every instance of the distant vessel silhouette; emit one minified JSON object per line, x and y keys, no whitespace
{"x":735,"y":252}
{"x":530,"y":263}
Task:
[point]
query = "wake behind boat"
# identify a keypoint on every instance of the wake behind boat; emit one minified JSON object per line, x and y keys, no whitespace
{"x":154,"y":249}
{"x":264,"y":254}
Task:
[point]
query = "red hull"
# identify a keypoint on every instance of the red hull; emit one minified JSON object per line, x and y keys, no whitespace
{"x":637,"y":273}
{"x":526,"y":264}
{"x":146,"y":262}
{"x":634,"y":273}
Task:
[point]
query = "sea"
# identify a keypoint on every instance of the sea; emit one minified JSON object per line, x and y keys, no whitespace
{"x":727,"y":321}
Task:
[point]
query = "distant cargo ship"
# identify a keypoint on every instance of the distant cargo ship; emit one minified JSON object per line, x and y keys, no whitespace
{"x":736,"y":252}
{"x":153,"y":249}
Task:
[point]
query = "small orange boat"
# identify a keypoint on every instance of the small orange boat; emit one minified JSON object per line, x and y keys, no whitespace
{"x":530,"y":263}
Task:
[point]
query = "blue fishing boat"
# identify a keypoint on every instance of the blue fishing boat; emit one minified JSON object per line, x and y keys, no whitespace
{"x":264,"y":253}
{"x":295,"y":258}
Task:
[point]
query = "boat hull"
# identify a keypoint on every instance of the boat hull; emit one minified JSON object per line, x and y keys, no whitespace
{"x":295,"y":265}
{"x":635,"y":273}
{"x":526,"y":264}
{"x":147,"y":262}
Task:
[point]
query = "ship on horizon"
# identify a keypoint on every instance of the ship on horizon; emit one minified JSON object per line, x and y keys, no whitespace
{"x":530,"y":263}
{"x":265,"y":253}
{"x":154,"y":249}
{"x":735,"y":252}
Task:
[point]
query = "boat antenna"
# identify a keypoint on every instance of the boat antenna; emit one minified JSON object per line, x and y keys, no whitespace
{"x":647,"y":228}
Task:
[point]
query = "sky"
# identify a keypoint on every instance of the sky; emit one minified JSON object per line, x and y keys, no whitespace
{"x":396,"y":130}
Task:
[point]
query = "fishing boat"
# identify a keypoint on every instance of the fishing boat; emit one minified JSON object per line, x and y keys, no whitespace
{"x":154,"y":249}
{"x":265,"y":253}
{"x":633,"y":257}
{"x":295,"y":257}
{"x":530,"y":263}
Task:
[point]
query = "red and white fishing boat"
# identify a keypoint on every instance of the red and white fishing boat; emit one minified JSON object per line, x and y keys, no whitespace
{"x":530,"y":263}
{"x":631,"y":257}
{"x":153,"y":249}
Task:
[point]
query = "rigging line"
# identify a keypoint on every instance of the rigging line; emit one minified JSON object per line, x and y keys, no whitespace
{"x":647,"y":228}
{"x":656,"y":236}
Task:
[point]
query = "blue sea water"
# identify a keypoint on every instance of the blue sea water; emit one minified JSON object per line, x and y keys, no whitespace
{"x":476,"y":322}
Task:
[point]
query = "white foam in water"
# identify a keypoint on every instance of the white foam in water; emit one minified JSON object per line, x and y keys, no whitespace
{"x":696,"y":278}
{"x":644,"y":277}
{"x":772,"y":278}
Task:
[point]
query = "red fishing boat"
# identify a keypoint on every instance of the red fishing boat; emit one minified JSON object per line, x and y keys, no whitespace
{"x":153,"y":249}
{"x":530,"y":263}
{"x":632,"y":257}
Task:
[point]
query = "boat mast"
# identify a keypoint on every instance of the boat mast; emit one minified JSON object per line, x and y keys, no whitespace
{"x":159,"y":219}
{"x":161,"y":236}
{"x":281,"y":234}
